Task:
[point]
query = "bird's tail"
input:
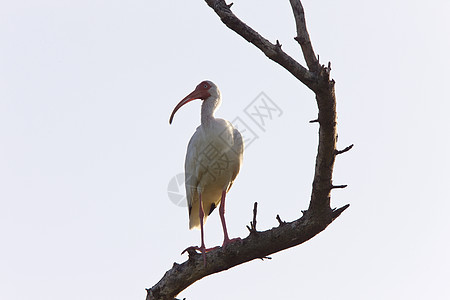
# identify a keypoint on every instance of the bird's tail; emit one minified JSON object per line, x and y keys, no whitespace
{"x":194,"y":218}
{"x":194,"y":222}
{"x":208,"y":207}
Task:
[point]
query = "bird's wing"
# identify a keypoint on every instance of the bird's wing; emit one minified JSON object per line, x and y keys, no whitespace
{"x":238,"y":149}
{"x":191,"y":178}
{"x":195,"y":167}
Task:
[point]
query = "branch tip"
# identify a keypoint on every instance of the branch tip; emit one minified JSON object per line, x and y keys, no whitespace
{"x":303,"y":36}
{"x":314,"y":121}
{"x":337,"y":212}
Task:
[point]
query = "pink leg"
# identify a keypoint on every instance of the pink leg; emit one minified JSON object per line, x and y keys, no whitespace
{"x":201,"y":215}
{"x":226,"y":239}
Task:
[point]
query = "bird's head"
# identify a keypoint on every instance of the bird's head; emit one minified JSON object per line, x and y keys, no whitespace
{"x":204,"y":90}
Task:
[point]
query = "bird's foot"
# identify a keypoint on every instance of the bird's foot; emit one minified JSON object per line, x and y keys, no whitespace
{"x":228,"y":241}
{"x":193,"y":250}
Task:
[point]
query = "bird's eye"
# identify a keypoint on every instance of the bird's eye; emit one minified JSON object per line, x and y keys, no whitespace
{"x":205,"y":86}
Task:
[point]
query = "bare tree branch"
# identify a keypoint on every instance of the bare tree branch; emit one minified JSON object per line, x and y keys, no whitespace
{"x":273,"y":51}
{"x":303,"y":37}
{"x":260,"y":244}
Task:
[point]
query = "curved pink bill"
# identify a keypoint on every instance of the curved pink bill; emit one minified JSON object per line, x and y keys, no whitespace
{"x":192,"y":96}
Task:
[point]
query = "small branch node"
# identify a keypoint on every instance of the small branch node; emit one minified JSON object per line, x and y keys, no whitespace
{"x":278,"y":44}
{"x":281,"y":222}
{"x":325,"y":71}
{"x":329,"y":66}
{"x":314,"y":121}
{"x":299,"y":40}
{"x":337,"y":152}
{"x":265,"y":257}
{"x":230,"y":5}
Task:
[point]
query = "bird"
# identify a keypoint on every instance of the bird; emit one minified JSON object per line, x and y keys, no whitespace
{"x":213,"y":160}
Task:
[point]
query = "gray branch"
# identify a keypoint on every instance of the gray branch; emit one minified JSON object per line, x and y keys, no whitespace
{"x":272,"y":51}
{"x":302,"y":35}
{"x":260,"y":244}
{"x":257,"y":245}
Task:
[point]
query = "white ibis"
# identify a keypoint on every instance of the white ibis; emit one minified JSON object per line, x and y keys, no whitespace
{"x":213,"y":159}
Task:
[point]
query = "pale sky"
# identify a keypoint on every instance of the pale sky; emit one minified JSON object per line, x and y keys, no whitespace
{"x":87,"y":153}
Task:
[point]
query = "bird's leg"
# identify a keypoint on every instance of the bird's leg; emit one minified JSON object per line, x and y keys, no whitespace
{"x":226,"y":239}
{"x":201,"y":214}
{"x":202,"y":247}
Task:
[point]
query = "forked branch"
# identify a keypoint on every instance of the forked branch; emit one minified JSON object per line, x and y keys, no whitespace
{"x":272,"y":51}
{"x":260,"y":244}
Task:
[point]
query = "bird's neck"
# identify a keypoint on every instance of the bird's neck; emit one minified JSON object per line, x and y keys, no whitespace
{"x":209,"y":106}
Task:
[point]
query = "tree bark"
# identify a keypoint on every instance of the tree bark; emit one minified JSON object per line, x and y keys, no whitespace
{"x":260,"y":244}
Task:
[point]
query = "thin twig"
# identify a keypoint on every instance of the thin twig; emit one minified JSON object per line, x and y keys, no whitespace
{"x":265,"y":257}
{"x":343,"y":186}
{"x":252,"y":227}
{"x":337,"y":152}
{"x":278,"y":44}
{"x":281,"y":223}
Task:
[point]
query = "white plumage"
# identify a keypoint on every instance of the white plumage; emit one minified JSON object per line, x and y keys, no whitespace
{"x":213,"y":160}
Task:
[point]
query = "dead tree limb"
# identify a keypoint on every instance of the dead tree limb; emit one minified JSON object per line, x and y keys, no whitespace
{"x":260,"y":244}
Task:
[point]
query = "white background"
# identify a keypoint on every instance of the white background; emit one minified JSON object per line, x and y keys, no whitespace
{"x":86,"y":151}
